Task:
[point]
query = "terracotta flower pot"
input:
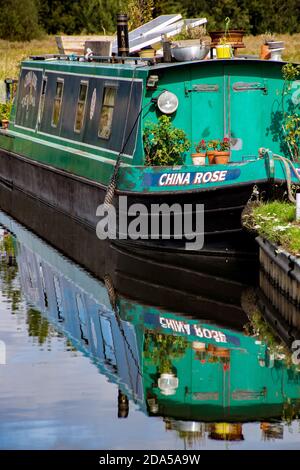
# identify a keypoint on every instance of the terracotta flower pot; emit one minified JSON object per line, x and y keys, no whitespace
{"x":265,"y":52}
{"x":5,"y":123}
{"x":199,"y":158}
{"x":221,"y":158}
{"x":211,"y":156}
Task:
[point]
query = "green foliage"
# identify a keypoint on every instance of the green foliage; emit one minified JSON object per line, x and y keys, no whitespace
{"x":254,"y":16}
{"x":5,"y":110}
{"x":38,"y":326}
{"x":140,"y":11}
{"x":162,"y":350}
{"x":290,"y":72}
{"x":19,"y":20}
{"x":22,"y":20}
{"x":292,"y":136}
{"x":164,"y":144}
{"x":276,"y":222}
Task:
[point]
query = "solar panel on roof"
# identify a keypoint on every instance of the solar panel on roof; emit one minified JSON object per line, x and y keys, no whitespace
{"x":158,"y":24}
{"x":194,"y":22}
{"x":153,"y":38}
{"x":151,"y":33}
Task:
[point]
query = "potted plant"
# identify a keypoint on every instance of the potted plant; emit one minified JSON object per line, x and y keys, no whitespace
{"x":212,"y":146}
{"x":225,"y":41}
{"x":200,"y":155}
{"x":5,"y":110}
{"x":224,"y":49}
{"x":164,"y":144}
{"x":265,"y":50}
{"x":223,"y":153}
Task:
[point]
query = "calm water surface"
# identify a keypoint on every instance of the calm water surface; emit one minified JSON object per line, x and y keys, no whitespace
{"x":85,"y":370}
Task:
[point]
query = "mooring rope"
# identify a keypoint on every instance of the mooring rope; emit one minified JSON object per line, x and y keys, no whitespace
{"x":287,"y":164}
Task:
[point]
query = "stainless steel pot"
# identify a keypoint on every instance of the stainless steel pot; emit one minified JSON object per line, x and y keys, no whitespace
{"x":182,"y":54}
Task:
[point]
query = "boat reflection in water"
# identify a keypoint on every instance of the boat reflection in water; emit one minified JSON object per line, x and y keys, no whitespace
{"x":203,"y":374}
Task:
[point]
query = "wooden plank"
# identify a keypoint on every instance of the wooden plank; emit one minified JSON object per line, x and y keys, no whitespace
{"x":75,"y":44}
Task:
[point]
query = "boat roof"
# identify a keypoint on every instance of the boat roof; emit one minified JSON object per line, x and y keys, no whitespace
{"x":142,"y":67}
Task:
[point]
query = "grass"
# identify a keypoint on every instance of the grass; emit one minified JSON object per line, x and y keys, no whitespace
{"x":12,"y":53}
{"x":291,"y":42}
{"x":276,"y":222}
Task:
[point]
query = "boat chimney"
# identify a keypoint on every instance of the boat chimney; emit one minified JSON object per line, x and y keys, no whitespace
{"x":122,"y":35}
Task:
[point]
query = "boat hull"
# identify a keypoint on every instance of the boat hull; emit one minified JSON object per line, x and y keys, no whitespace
{"x":79,"y":198}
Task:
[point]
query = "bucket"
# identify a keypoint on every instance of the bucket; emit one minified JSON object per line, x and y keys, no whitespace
{"x":224,"y":51}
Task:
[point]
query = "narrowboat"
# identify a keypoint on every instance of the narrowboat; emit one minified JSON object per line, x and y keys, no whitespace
{"x":181,"y":368}
{"x":75,"y":139}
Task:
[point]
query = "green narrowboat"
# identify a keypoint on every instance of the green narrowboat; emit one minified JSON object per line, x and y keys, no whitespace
{"x":76,"y":121}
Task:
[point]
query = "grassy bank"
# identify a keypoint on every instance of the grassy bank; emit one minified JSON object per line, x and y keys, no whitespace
{"x":276,"y":222}
{"x":12,"y":53}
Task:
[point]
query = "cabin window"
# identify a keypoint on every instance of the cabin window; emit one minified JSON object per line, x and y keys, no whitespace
{"x":107,"y":111}
{"x":81,"y":106}
{"x":42,"y":100}
{"x":57,"y":102}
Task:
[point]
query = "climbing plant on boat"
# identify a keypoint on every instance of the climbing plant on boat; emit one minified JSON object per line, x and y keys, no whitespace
{"x":164,"y":144}
{"x":291,"y":118}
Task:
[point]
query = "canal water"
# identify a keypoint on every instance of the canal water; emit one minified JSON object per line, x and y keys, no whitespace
{"x":143,"y":355}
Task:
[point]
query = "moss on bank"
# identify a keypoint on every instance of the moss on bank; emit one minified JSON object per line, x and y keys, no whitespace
{"x":276,"y":222}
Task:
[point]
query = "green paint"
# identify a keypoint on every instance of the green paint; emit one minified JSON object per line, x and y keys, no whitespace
{"x":240,"y":98}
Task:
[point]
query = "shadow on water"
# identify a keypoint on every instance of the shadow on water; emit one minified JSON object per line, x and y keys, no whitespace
{"x":180,"y":336}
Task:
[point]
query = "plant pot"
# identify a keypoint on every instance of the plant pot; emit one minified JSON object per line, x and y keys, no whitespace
{"x":211,"y":156}
{"x":147,"y":53}
{"x":221,"y":158}
{"x":199,"y":158}
{"x":265,"y":52}
{"x":234,"y":37}
{"x":5,"y":123}
{"x":224,"y":51}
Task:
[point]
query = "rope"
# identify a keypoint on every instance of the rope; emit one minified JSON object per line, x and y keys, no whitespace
{"x":113,"y":182}
{"x":287,"y":164}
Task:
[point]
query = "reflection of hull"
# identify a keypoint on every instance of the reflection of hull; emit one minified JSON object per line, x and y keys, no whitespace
{"x":221,"y":374}
{"x":209,"y":285}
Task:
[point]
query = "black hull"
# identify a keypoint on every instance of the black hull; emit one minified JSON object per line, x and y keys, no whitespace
{"x":209,"y":287}
{"x":79,"y":198}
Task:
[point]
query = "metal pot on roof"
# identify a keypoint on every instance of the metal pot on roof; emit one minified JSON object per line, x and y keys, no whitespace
{"x":187,"y":53}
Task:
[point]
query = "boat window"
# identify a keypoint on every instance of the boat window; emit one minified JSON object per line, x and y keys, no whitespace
{"x":57,"y":102}
{"x":42,"y":100}
{"x":81,"y":106}
{"x":107,"y":111}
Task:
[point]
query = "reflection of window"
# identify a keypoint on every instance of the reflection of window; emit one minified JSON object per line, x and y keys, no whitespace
{"x":57,"y":102}
{"x":44,"y":285}
{"x":81,"y":106}
{"x":108,"y":343}
{"x":42,"y":100}
{"x":107,"y":112}
{"x":59,"y":299}
{"x":82,"y":318}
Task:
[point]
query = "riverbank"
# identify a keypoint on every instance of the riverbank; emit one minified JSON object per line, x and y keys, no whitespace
{"x":12,"y":53}
{"x":276,"y":221}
